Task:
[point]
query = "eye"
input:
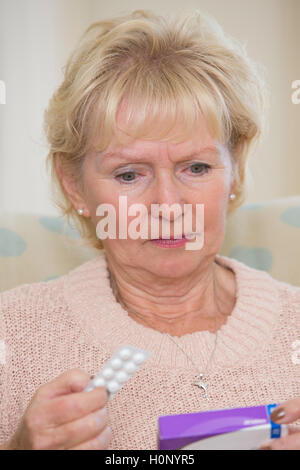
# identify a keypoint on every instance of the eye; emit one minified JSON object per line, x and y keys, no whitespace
{"x":199,"y":168}
{"x":126,"y":177}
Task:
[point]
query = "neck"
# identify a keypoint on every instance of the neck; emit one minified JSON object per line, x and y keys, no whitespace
{"x":188,"y":306}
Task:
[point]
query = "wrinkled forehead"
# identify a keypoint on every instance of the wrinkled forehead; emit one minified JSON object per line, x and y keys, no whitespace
{"x":155,"y":150}
{"x":162,"y":153}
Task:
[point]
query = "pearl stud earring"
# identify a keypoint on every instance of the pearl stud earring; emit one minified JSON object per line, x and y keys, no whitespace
{"x":80,"y":211}
{"x":232,"y":196}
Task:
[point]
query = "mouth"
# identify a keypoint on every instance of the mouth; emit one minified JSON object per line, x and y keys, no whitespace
{"x":171,"y":242}
{"x":188,"y":236}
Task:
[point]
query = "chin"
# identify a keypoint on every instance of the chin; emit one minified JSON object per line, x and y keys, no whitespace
{"x":177,"y":265}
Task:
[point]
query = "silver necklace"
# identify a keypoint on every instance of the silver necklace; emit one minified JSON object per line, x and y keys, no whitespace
{"x":199,"y":383}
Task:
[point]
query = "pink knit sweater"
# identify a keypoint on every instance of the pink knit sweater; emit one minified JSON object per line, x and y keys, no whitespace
{"x":75,"y":322}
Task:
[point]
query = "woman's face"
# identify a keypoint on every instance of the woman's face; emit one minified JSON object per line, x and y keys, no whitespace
{"x":197,"y":171}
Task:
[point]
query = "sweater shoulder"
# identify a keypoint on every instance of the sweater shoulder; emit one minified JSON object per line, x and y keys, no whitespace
{"x":27,"y":293}
{"x":26,"y":302}
{"x":31,"y":302}
{"x":289,"y":297}
{"x":287,"y":292}
{"x":263,"y":285}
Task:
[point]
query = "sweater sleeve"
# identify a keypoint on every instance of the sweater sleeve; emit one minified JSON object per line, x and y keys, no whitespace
{"x":4,"y":398}
{"x":11,"y":311}
{"x":293,"y":322}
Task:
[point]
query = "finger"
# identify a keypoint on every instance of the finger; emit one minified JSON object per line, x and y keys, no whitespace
{"x":101,"y":442}
{"x":72,"y":381}
{"x":292,"y":428}
{"x":290,"y":442}
{"x":286,"y":412}
{"x":67,"y":408}
{"x":78,"y":431}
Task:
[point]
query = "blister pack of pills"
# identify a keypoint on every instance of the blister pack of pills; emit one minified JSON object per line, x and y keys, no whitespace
{"x":119,"y":369}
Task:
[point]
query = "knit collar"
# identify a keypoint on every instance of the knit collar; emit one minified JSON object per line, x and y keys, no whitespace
{"x":248,"y":329}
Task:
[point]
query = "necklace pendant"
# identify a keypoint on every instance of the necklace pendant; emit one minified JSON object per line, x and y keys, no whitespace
{"x":202,"y":385}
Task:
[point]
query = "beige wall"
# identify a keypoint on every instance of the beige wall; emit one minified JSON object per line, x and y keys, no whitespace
{"x":36,"y":37}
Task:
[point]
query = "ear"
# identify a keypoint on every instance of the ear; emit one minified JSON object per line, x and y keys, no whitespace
{"x":69,"y":186}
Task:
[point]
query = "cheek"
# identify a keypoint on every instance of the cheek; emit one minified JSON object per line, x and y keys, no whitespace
{"x":98,"y":192}
{"x":118,"y":215}
{"x":216,"y":207}
{"x":213,"y":191}
{"x":217,"y":195}
{"x":102,"y":191}
{"x":215,"y":200}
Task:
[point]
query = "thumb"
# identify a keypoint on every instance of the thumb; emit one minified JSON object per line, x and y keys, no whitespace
{"x":71,"y":381}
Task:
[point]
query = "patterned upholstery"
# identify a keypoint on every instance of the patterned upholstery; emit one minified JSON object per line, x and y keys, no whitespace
{"x":264,"y":236}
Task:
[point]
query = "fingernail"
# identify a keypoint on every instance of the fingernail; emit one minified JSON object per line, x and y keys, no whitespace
{"x":278,"y":414}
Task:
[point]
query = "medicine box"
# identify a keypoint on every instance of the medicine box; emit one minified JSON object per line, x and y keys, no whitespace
{"x":232,"y":428}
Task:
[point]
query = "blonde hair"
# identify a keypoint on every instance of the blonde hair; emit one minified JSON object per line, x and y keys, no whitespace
{"x":163,"y":68}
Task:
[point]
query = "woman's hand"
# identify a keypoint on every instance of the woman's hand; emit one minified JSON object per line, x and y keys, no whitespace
{"x":62,"y":416}
{"x":286,"y":413}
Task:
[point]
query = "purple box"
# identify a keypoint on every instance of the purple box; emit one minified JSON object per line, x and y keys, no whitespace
{"x":233,"y":428}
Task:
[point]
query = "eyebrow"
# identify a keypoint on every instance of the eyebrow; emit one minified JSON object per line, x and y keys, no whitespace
{"x":125,"y":156}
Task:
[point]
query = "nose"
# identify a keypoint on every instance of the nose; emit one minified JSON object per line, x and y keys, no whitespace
{"x":167,"y":191}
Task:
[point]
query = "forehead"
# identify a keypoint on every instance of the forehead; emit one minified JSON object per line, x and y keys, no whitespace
{"x":154,"y":150}
{"x":198,"y":141}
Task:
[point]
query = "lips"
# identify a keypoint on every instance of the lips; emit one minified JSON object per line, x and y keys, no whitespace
{"x":188,"y":236}
{"x":170,"y":238}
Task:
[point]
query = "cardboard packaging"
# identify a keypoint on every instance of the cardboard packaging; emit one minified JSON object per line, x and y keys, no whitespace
{"x":232,"y":429}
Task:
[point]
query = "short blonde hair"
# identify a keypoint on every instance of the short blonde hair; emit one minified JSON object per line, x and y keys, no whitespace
{"x":164,"y":68}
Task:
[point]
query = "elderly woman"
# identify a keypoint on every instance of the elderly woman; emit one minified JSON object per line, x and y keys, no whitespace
{"x":156,"y":112}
